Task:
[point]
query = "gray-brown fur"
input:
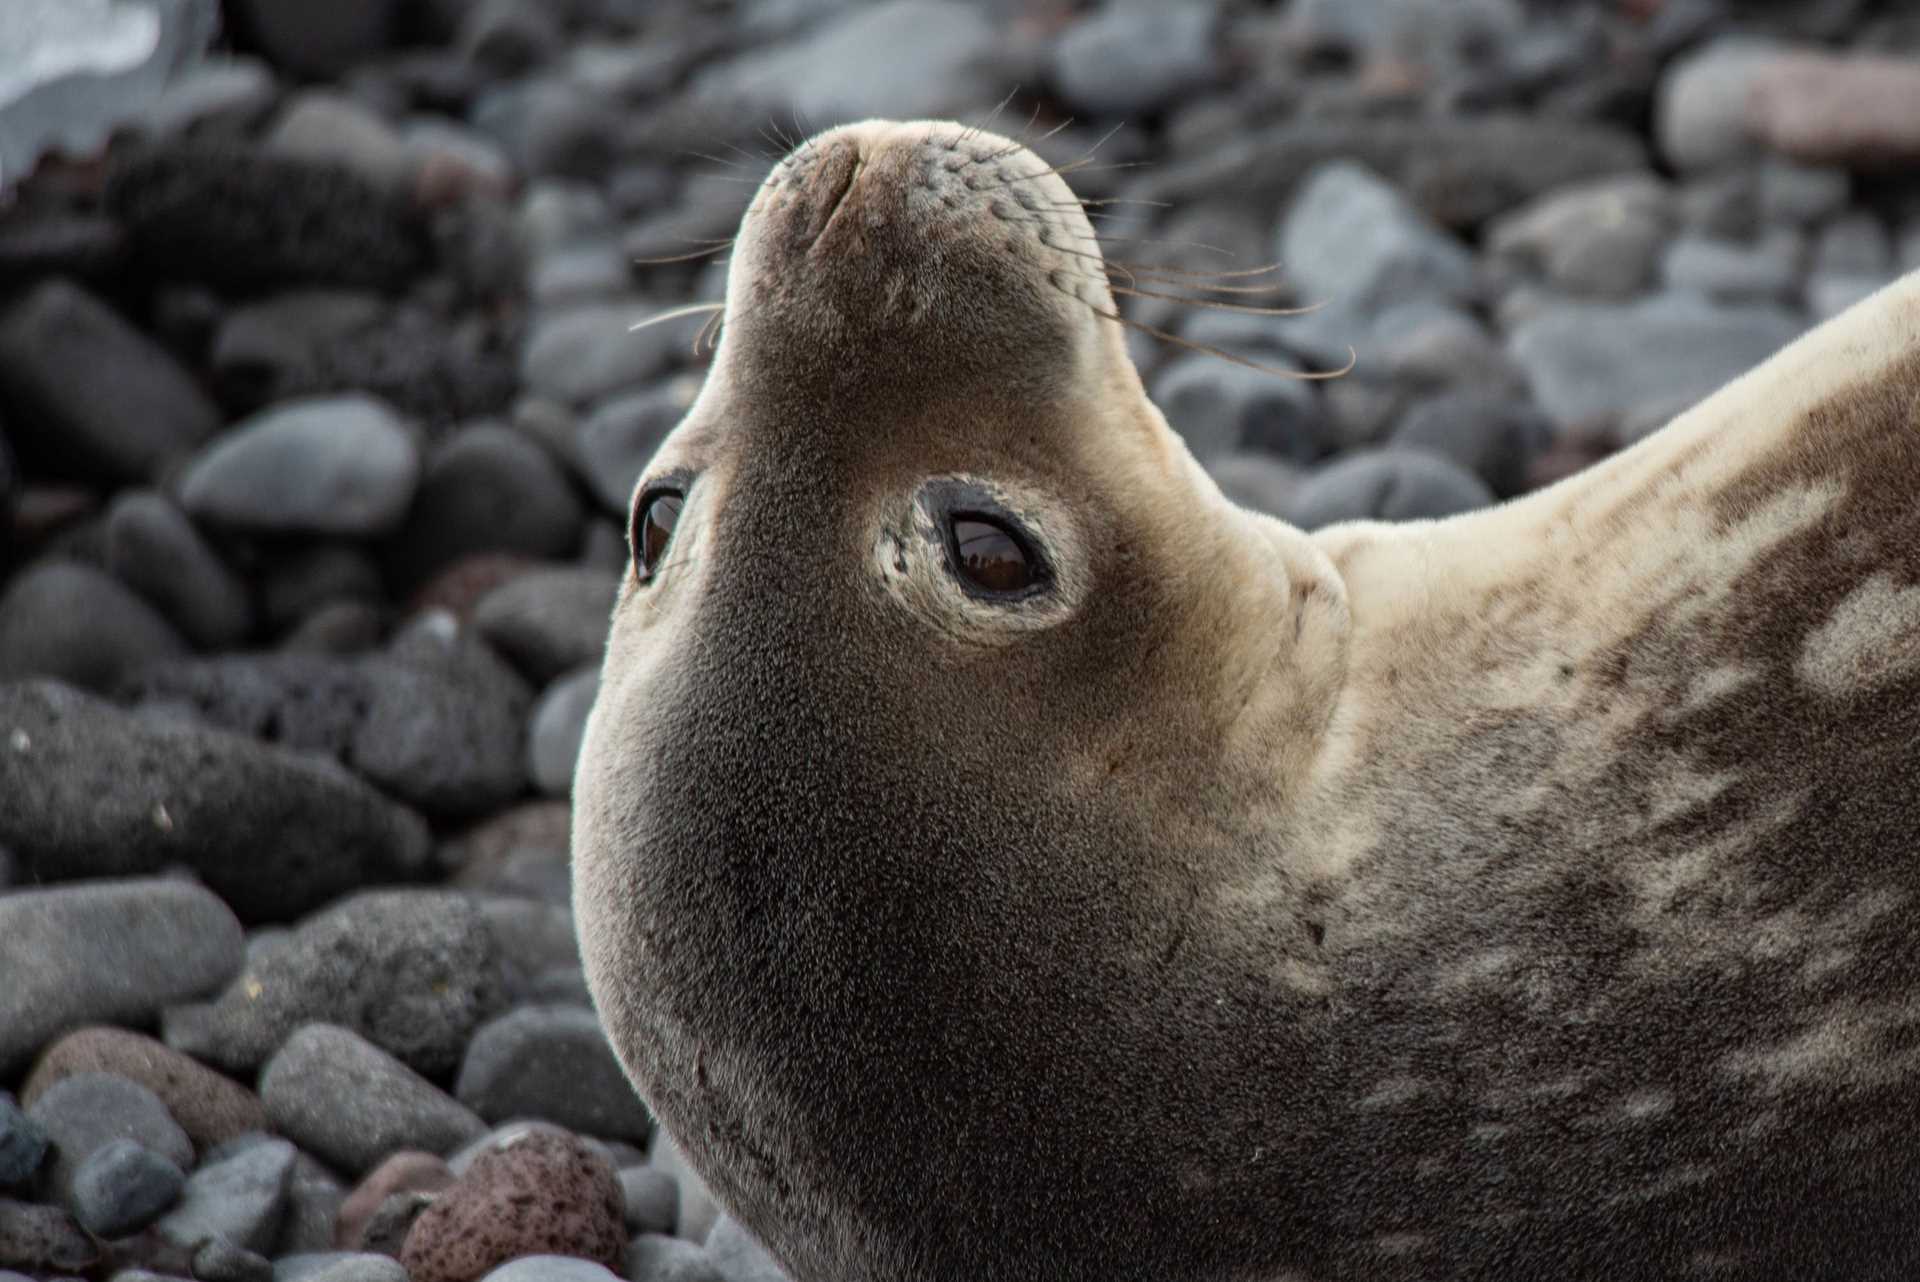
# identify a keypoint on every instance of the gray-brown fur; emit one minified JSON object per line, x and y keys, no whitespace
{"x":1456,"y":901}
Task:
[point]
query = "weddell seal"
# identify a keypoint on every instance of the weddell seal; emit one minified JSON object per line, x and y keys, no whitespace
{"x":1000,"y":857}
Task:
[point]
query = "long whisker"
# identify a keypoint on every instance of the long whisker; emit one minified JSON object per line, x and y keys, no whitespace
{"x":976,"y":130}
{"x":713,"y":247}
{"x":1214,"y":304}
{"x":675,"y":313}
{"x":1353,"y":357}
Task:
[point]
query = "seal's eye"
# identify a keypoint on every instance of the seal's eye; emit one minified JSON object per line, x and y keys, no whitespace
{"x":989,"y":556}
{"x":658,"y":512}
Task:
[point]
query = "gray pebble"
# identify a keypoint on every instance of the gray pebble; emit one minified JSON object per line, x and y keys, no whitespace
{"x":1134,"y":60}
{"x":655,"y":1257}
{"x":324,"y":39}
{"x":314,"y":1197}
{"x":1493,"y":437}
{"x":1257,"y":481}
{"x":44,"y":1239}
{"x":1599,"y":239}
{"x":414,"y":971}
{"x":23,"y":1143}
{"x":85,"y":1114}
{"x":1351,"y":236}
{"x":349,"y":1266}
{"x":77,"y":624}
{"x":104,"y":952}
{"x":551,"y":1063}
{"x":1387,"y":485}
{"x":551,"y":1268}
{"x":1829,"y":295}
{"x":329,"y":128}
{"x":104,"y":793}
{"x":1855,"y":244}
{"x":618,"y":439}
{"x":122,"y":1187}
{"x":556,"y":728}
{"x":352,"y":1104}
{"x":1796,"y":194}
{"x":1733,"y":271}
{"x":698,"y":1210}
{"x":325,"y":465}
{"x":238,"y":1199}
{"x":486,"y":489}
{"x":586,"y":352}
{"x":1218,"y":408}
{"x":152,"y":546}
{"x":1700,"y":114}
{"x":548,"y":621}
{"x":651,"y":1199}
{"x":738,"y":1255}
{"x":219,"y":1260}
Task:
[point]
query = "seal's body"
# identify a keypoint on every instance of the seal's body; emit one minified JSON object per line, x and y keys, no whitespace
{"x":1167,"y":894}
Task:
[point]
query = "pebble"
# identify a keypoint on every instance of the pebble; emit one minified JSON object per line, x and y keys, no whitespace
{"x":551,"y":1063}
{"x":1592,"y":360}
{"x":23,"y":1144}
{"x":413,"y":971}
{"x":486,"y":489}
{"x":738,"y":1255}
{"x":340,"y":1266}
{"x":508,"y":37}
{"x":219,"y":1260}
{"x":326,"y":465}
{"x":1790,"y":192}
{"x":1854,"y":109}
{"x":651,"y":1199}
{"x":1219,"y":408}
{"x":1599,"y":239}
{"x":1766,"y":270}
{"x":54,"y":344}
{"x":1493,"y":437}
{"x":323,"y":39}
{"x":549,"y":621}
{"x":314,"y":1198}
{"x":619,"y":437}
{"x":105,"y":950}
{"x":1132,"y":61}
{"x":1700,"y":112}
{"x":239,"y":1199}
{"x":589,"y":351}
{"x":210,"y":1108}
{"x":88,"y":1111}
{"x":70,"y":621}
{"x":522,"y":852}
{"x":101,"y":792}
{"x":1856,"y":244}
{"x":154,"y":548}
{"x":1351,"y":236}
{"x":542,"y":1193}
{"x":552,"y":1268}
{"x":350,"y":1103}
{"x":556,"y":728}
{"x":655,"y":1257}
{"x":549,"y":125}
{"x":1256,"y":481}
{"x":122,"y":1187}
{"x":698,"y":1210}
{"x":1387,"y":485}
{"x":408,"y":1171}
{"x":43,"y":1239}
{"x":1425,"y":346}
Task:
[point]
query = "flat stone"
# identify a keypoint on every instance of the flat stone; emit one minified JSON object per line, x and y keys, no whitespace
{"x":88,"y":1111}
{"x":209,"y":1107}
{"x":413,"y":971}
{"x":1351,"y":236}
{"x":54,"y":345}
{"x":556,"y":728}
{"x":103,"y":793}
{"x":552,"y":1063}
{"x":114,"y":950}
{"x":326,"y":465}
{"x":71,"y":622}
{"x":154,"y":548}
{"x":122,"y":1187}
{"x":238,"y":1200}
{"x":351,"y":1103}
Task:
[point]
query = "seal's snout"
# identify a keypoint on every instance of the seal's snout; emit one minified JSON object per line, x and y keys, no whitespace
{"x":829,"y":182}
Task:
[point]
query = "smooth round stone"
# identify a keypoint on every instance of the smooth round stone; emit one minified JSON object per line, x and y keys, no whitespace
{"x":551,"y":1063}
{"x":549,"y":621}
{"x":651,"y":1197}
{"x":77,"y":624}
{"x":556,"y":728}
{"x":239,"y":1199}
{"x":23,"y":1144}
{"x":655,"y":1257}
{"x":209,"y":1107}
{"x":105,"y":951}
{"x":738,"y":1255}
{"x":1493,"y":437}
{"x":122,"y":1187}
{"x":552,"y":1268}
{"x":589,"y":351}
{"x":351,"y":1103}
{"x":1218,"y":407}
{"x":1352,"y":236}
{"x":349,"y":1266}
{"x":219,"y":1260}
{"x":620,"y":436}
{"x":88,"y":1111}
{"x":326,"y":465}
{"x":1387,"y":485}
{"x":1599,"y":239}
{"x":487,"y":489}
{"x":1132,"y":60}
{"x":153,"y":547}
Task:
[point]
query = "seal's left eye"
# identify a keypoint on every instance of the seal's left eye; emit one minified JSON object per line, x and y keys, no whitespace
{"x":653,"y":530}
{"x":989,"y":556}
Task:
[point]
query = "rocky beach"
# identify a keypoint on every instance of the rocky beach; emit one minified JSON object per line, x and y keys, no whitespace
{"x":321,"y":405}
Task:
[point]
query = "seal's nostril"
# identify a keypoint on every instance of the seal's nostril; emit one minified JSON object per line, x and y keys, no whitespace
{"x":832,"y":182}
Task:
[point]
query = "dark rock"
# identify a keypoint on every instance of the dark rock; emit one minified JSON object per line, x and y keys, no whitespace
{"x":58,"y":242}
{"x":75,"y":955}
{"x":88,"y":1111}
{"x":552,"y":1063}
{"x":651,"y":1197}
{"x":408,"y":1171}
{"x":351,"y":1103}
{"x":519,"y":852}
{"x":533,"y":937}
{"x":655,"y":1257}
{"x":455,"y":592}
{"x":549,"y":621}
{"x":1387,"y":485}
{"x":544,"y":1194}
{"x":239,"y":1200}
{"x":329,"y":465}
{"x":1493,"y":437}
{"x":1131,"y":61}
{"x":318,"y":40}
{"x":619,"y":438}
{"x":122,"y":1187}
{"x":210,"y":1108}
{"x":274,"y":349}
{"x":551,"y":126}
{"x":153,"y":547}
{"x":23,"y":1144}
{"x":509,"y":37}
{"x":557,"y":727}
{"x":340,"y":629}
{"x":77,"y":624}
{"x":245,"y":221}
{"x":488,"y":489}
{"x":414,"y":971}
{"x":387,"y":1228}
{"x":318,"y":574}
{"x":105,"y":793}
{"x":1351,"y":236}
{"x":219,"y":1260}
{"x":1219,"y":408}
{"x":54,"y":345}
{"x":43,"y":1239}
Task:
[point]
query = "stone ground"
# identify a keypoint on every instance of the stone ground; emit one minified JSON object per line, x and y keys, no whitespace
{"x":319,"y":412}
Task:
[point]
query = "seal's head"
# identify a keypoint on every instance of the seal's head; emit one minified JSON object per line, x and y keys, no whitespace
{"x":942,"y":673}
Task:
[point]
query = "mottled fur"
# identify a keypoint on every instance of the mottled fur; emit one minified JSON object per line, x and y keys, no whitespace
{"x":1525,"y":895}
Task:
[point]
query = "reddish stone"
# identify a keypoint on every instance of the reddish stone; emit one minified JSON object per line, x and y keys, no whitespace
{"x":1862,"y":111}
{"x":408,"y":1171}
{"x":210,"y":1108}
{"x":541,"y":1193}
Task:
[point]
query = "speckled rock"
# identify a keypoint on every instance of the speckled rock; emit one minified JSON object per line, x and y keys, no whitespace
{"x":75,"y":623}
{"x":43,"y":1239}
{"x":351,"y":1103}
{"x":210,"y":1108}
{"x":543,"y":1194}
{"x":413,"y":971}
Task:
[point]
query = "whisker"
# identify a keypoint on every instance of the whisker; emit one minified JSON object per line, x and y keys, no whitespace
{"x":675,"y":313}
{"x":976,"y":130}
{"x":713,"y":247}
{"x":1353,"y":357}
{"x":1214,"y":304}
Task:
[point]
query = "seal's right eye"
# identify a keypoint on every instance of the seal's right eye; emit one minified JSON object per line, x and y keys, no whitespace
{"x":655,"y":515}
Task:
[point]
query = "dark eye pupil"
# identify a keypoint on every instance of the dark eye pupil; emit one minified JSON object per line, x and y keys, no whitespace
{"x":990,"y":558}
{"x":654,"y":531}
